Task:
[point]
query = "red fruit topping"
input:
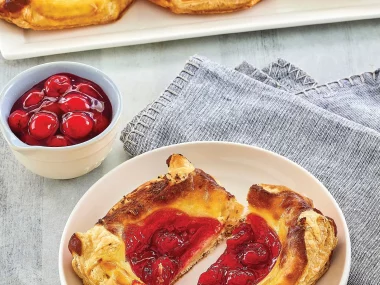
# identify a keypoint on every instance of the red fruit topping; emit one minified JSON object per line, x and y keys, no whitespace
{"x":57,"y":141}
{"x":33,"y":98}
{"x":251,"y":253}
{"x":254,"y":254}
{"x":101,"y":123}
{"x":237,"y":277}
{"x":18,"y":121}
{"x":77,"y":125}
{"x":161,"y":271}
{"x":74,"y":102}
{"x":57,"y":85}
{"x":28,"y":139}
{"x":52,"y":107}
{"x":213,"y":276}
{"x":43,"y":125}
{"x":166,"y":242}
{"x":88,"y":90}
{"x":146,"y":257}
{"x":135,"y":282}
{"x":162,"y":244}
{"x":241,"y":235}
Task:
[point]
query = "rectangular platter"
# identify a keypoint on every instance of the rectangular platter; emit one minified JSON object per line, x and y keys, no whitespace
{"x":146,"y":23}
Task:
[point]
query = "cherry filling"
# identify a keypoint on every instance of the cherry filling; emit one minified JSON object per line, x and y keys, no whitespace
{"x":61,"y":110}
{"x":15,"y":6}
{"x":251,"y":253}
{"x":160,"y":247}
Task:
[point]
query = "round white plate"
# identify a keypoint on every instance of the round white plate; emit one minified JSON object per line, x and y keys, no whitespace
{"x":236,"y":167}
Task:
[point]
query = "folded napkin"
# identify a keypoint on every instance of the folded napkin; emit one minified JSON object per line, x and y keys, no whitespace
{"x":332,"y":130}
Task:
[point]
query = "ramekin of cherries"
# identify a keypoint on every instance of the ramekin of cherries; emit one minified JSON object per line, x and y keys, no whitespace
{"x":60,"y":118}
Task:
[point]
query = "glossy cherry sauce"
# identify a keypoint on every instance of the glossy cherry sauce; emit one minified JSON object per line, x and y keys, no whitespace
{"x":14,"y":6}
{"x":61,"y":110}
{"x":160,"y":247}
{"x":251,"y":253}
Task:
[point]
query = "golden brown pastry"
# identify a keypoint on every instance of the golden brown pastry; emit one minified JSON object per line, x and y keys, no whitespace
{"x":158,"y":232}
{"x":61,"y":14}
{"x":308,"y":237}
{"x":204,"y":6}
{"x":283,"y":241}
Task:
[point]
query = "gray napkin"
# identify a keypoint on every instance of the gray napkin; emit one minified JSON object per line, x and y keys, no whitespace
{"x":331,"y":130}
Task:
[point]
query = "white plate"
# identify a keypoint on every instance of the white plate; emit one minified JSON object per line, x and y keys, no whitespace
{"x":146,"y":23}
{"x":236,"y":167}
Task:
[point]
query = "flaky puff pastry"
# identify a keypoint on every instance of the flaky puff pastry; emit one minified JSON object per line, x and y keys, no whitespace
{"x":308,"y":237}
{"x":99,"y":254}
{"x":61,"y":14}
{"x":204,"y":6}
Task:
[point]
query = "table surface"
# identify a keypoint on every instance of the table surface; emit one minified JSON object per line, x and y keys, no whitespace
{"x":34,"y":210}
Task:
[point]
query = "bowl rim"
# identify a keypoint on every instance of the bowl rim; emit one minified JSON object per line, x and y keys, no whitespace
{"x":117,"y":109}
{"x":348,"y":250}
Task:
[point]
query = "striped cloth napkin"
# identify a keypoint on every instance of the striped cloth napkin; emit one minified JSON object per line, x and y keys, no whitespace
{"x":332,"y":130}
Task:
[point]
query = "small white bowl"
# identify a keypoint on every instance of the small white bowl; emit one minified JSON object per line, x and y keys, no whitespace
{"x":60,"y":162}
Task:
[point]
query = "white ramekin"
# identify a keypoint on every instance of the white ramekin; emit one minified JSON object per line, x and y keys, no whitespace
{"x":60,"y":162}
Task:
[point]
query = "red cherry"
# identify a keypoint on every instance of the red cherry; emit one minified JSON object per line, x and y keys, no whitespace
{"x":101,"y":123}
{"x":77,"y":125}
{"x":240,"y":235}
{"x":52,"y":107}
{"x":57,"y":141}
{"x":18,"y":121}
{"x":163,"y":270}
{"x":134,"y":244}
{"x":42,"y":125}
{"x":33,"y":98}
{"x":57,"y":85}
{"x":166,"y":242}
{"x":254,"y":254}
{"x":237,"y":277}
{"x":213,"y":276}
{"x":142,"y":258}
{"x":88,"y":90}
{"x":28,"y":139}
{"x":74,"y":102}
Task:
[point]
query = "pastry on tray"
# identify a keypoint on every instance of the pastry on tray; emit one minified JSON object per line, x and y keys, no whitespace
{"x":204,"y":6}
{"x":284,"y":240}
{"x":156,"y":233}
{"x":61,"y":14}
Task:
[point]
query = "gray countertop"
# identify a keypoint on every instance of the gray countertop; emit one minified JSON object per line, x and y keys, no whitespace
{"x":34,"y":210}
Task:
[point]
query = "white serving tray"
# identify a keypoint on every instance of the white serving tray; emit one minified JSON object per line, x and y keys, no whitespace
{"x":146,"y":23}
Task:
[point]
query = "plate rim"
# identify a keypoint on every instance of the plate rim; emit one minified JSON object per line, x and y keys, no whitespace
{"x":347,"y":264}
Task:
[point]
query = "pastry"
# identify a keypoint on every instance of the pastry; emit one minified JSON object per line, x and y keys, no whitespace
{"x":156,"y":233}
{"x":205,"y":7}
{"x":284,"y":240}
{"x":61,"y":14}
